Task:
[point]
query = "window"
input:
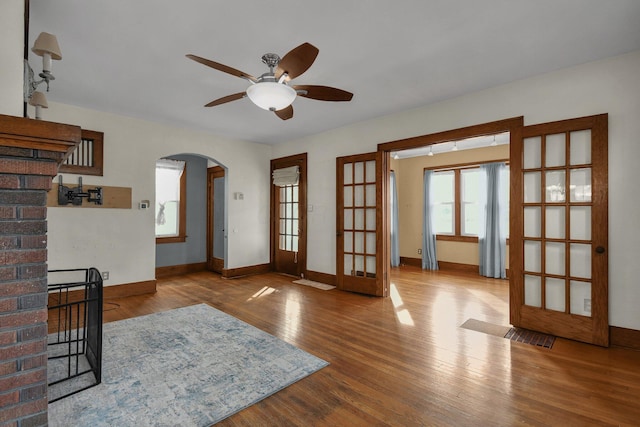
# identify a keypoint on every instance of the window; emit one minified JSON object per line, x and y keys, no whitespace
{"x":87,"y":158}
{"x":457,"y":198}
{"x":171,"y":203}
{"x":504,"y":188}
{"x":443,"y":191}
{"x":469,"y":202}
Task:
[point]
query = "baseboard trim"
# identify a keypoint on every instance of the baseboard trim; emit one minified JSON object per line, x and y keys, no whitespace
{"x":316,"y":276}
{"x":232,"y":273}
{"x":442,"y":265}
{"x":414,"y":262}
{"x":467,"y":268}
{"x":176,"y":270}
{"x":623,"y":337}
{"x":109,"y":292}
{"x":129,"y":289}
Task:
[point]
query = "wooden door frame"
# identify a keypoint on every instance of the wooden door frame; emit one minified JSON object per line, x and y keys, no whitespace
{"x":512,"y":125}
{"x":212,"y":173}
{"x":282,"y":162}
{"x":515,"y":127}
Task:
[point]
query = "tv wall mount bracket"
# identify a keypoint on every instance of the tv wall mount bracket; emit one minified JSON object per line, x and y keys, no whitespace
{"x":75,"y":195}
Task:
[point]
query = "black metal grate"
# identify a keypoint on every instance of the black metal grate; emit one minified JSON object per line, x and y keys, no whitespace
{"x":75,"y":326}
{"x":530,"y":337}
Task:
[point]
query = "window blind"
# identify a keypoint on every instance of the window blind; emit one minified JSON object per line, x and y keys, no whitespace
{"x":286,"y":176}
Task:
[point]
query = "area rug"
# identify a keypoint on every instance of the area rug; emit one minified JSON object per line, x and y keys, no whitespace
{"x":313,"y":284}
{"x":486,"y":327}
{"x":191,"y":366}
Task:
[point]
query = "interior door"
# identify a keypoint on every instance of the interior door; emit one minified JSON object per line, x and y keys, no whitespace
{"x":362,"y":263}
{"x":289,"y":219}
{"x":558,"y":235}
{"x":215,"y":221}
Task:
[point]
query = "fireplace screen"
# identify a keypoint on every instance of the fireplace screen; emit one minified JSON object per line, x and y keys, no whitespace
{"x":75,"y":331}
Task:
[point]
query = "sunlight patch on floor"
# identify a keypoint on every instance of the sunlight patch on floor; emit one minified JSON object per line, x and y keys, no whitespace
{"x":267,"y":290}
{"x":403,"y":315}
{"x":292,"y":319}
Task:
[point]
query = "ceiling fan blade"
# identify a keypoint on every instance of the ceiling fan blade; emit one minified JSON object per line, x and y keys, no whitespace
{"x":323,"y":93}
{"x":286,"y":113}
{"x":222,"y":67}
{"x":297,"y":61}
{"x":226,"y":99}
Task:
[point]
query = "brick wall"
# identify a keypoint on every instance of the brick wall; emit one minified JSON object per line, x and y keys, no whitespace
{"x":25,"y":178}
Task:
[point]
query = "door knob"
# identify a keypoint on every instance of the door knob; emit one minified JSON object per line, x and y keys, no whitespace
{"x":600,"y":250}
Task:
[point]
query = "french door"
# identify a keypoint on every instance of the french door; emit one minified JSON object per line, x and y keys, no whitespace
{"x":362,"y":263}
{"x":559,"y":236}
{"x":289,"y":219}
{"x":215,"y":219}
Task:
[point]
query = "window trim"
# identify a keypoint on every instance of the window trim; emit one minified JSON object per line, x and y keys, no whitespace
{"x":182,"y":226}
{"x":456,"y":168}
{"x":97,"y":159}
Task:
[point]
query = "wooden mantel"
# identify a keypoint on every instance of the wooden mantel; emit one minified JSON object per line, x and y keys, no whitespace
{"x":23,"y":133}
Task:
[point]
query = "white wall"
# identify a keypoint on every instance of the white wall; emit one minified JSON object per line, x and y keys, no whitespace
{"x":609,"y":86}
{"x":11,"y":68}
{"x":122,"y":241}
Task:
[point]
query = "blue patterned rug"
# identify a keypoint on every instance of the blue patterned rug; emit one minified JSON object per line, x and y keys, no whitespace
{"x":191,"y":366}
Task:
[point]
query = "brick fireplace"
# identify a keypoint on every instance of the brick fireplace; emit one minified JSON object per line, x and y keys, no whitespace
{"x":30,"y":153}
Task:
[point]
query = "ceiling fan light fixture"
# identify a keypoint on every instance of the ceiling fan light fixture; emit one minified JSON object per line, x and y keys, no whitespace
{"x":271,"y":96}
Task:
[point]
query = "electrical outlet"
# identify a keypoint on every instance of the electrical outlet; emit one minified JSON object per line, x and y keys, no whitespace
{"x":419,"y":251}
{"x":587,"y":305}
{"x":105,"y":275}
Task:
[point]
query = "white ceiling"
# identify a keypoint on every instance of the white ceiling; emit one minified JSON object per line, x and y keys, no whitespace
{"x":128,"y":56}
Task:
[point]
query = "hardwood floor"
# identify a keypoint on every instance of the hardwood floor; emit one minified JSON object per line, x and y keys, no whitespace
{"x":404,"y":360}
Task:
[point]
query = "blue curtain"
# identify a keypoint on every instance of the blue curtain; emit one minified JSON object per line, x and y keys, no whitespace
{"x":492,"y":241}
{"x":395,"y":246}
{"x":429,"y":260}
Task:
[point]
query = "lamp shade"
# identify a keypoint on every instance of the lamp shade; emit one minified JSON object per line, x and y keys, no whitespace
{"x":38,"y":100}
{"x":271,"y":96}
{"x":47,"y":43}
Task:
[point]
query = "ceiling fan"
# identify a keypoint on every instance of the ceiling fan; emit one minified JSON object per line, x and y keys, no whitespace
{"x":272,"y":91}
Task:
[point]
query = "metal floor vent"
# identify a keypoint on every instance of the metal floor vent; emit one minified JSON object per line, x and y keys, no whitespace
{"x":530,"y":337}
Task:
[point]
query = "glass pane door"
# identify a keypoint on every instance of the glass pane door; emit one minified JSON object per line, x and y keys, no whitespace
{"x":559,"y":269}
{"x":360,"y":219}
{"x":359,"y":246}
{"x":288,"y":229}
{"x":558,"y":225}
{"x":288,"y":215}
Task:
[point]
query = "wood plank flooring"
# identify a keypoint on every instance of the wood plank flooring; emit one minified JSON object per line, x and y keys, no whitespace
{"x":404,"y":360}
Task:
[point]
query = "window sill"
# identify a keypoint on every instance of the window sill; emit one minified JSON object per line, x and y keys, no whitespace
{"x":175,"y":239}
{"x":449,"y":238}
{"x":467,"y":239}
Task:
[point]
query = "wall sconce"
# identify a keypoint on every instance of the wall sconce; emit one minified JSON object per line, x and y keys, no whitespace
{"x":39,"y":101}
{"x":46,"y":46}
